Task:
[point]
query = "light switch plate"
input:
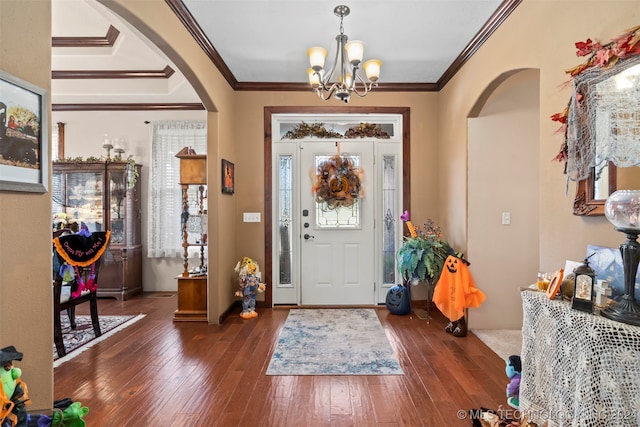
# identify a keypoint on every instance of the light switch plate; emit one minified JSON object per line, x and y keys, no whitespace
{"x":251,"y":217}
{"x":506,"y":218}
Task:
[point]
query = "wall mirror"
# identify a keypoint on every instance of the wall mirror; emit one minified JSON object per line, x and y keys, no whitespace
{"x":603,"y":134}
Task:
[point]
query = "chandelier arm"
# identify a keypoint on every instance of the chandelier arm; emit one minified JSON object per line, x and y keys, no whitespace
{"x":354,"y":78}
{"x":329,"y":75}
{"x":344,"y":67}
{"x":366,"y":87}
{"x":328,"y":91}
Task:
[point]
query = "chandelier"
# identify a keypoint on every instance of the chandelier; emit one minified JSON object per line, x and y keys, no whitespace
{"x":345,"y":65}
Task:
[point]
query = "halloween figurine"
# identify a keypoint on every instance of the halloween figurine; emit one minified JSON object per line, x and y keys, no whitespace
{"x":456,"y":291}
{"x":249,"y":275}
{"x":13,"y":392}
{"x":514,"y":372}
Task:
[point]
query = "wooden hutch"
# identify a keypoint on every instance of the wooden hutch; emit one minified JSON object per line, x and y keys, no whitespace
{"x":105,"y":195}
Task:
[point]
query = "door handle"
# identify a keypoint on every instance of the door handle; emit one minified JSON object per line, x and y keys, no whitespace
{"x":308,"y":236}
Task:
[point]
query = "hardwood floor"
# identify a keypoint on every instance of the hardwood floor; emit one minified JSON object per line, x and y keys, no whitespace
{"x":160,"y":373}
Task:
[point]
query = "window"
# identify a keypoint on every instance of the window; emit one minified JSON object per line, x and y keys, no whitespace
{"x":164,"y":238}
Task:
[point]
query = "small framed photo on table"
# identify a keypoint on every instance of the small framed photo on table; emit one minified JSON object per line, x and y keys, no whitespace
{"x":228,"y":179}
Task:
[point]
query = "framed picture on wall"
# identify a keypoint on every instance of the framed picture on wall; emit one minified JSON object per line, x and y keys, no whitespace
{"x":23,"y":135}
{"x":227,"y":177}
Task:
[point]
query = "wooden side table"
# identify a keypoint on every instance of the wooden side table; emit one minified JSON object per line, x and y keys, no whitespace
{"x":192,"y":299}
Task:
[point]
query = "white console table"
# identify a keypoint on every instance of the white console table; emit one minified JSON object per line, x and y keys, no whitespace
{"x":578,"y":369}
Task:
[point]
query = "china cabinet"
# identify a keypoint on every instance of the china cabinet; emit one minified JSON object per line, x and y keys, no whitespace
{"x":192,"y":283}
{"x":105,"y":195}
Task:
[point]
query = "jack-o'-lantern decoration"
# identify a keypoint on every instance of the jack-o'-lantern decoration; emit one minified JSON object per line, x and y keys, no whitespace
{"x":452,"y":264}
{"x":338,"y":182}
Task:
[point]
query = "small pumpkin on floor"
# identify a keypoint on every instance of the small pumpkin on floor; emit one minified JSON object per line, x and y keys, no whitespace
{"x":398,"y":300}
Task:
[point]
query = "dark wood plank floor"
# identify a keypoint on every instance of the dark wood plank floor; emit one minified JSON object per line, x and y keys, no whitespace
{"x":161,"y":373}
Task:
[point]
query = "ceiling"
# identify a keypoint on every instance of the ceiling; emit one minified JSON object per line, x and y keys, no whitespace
{"x":97,"y":58}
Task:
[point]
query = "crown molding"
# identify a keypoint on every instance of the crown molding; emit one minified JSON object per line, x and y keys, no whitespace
{"x":504,"y":10}
{"x":107,"y":41}
{"x":114,"y":74}
{"x":128,"y":107}
{"x":304,"y":87}
{"x":200,"y":37}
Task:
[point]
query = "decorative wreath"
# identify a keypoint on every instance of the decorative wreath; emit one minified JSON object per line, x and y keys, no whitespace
{"x":338,"y":182}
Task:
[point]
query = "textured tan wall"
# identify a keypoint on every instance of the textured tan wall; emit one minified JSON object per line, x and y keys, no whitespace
{"x":502,"y":138}
{"x":539,"y":35}
{"x":25,"y":218}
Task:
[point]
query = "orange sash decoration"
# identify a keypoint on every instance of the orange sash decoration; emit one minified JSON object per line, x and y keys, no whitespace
{"x":82,"y":251}
{"x":456,"y":289}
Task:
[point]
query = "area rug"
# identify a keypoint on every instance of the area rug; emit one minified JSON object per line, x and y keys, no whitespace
{"x":82,"y":338}
{"x":503,"y":342}
{"x":333,"y":342}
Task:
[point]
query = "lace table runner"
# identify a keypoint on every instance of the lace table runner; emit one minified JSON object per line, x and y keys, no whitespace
{"x":578,"y":369}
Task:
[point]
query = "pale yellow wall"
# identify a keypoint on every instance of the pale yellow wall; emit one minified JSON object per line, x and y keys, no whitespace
{"x":26,"y":305}
{"x":540,"y":34}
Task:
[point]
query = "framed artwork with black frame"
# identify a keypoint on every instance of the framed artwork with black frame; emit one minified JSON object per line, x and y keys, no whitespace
{"x":24,"y":130}
{"x":228,"y":179}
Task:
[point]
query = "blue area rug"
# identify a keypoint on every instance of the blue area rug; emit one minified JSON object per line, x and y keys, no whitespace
{"x":333,"y":342}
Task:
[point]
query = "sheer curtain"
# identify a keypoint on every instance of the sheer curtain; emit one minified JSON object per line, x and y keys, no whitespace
{"x":164,"y":237}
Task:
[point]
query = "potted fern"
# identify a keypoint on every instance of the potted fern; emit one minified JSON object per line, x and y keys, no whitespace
{"x":422,"y":254}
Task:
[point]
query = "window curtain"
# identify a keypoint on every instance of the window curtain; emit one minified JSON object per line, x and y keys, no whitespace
{"x":164,"y":233}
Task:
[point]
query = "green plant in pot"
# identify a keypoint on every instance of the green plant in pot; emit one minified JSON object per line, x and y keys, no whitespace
{"x":422,"y":254}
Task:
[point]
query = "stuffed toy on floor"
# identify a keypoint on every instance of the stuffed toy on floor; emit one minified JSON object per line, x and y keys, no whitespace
{"x":13,"y":391}
{"x":514,"y":372}
{"x":71,"y":413}
{"x":249,"y":286}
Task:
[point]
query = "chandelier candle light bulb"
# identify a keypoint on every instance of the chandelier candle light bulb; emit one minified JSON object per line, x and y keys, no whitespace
{"x":355,"y":52}
{"x":317,"y":56}
{"x":372,"y":69}
{"x":314,"y":78}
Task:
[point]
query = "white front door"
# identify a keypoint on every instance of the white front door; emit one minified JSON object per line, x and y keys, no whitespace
{"x":337,"y":242}
{"x":348,"y":255}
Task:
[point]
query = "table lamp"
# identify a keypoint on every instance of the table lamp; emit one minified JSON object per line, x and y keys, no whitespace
{"x":622,"y":209}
